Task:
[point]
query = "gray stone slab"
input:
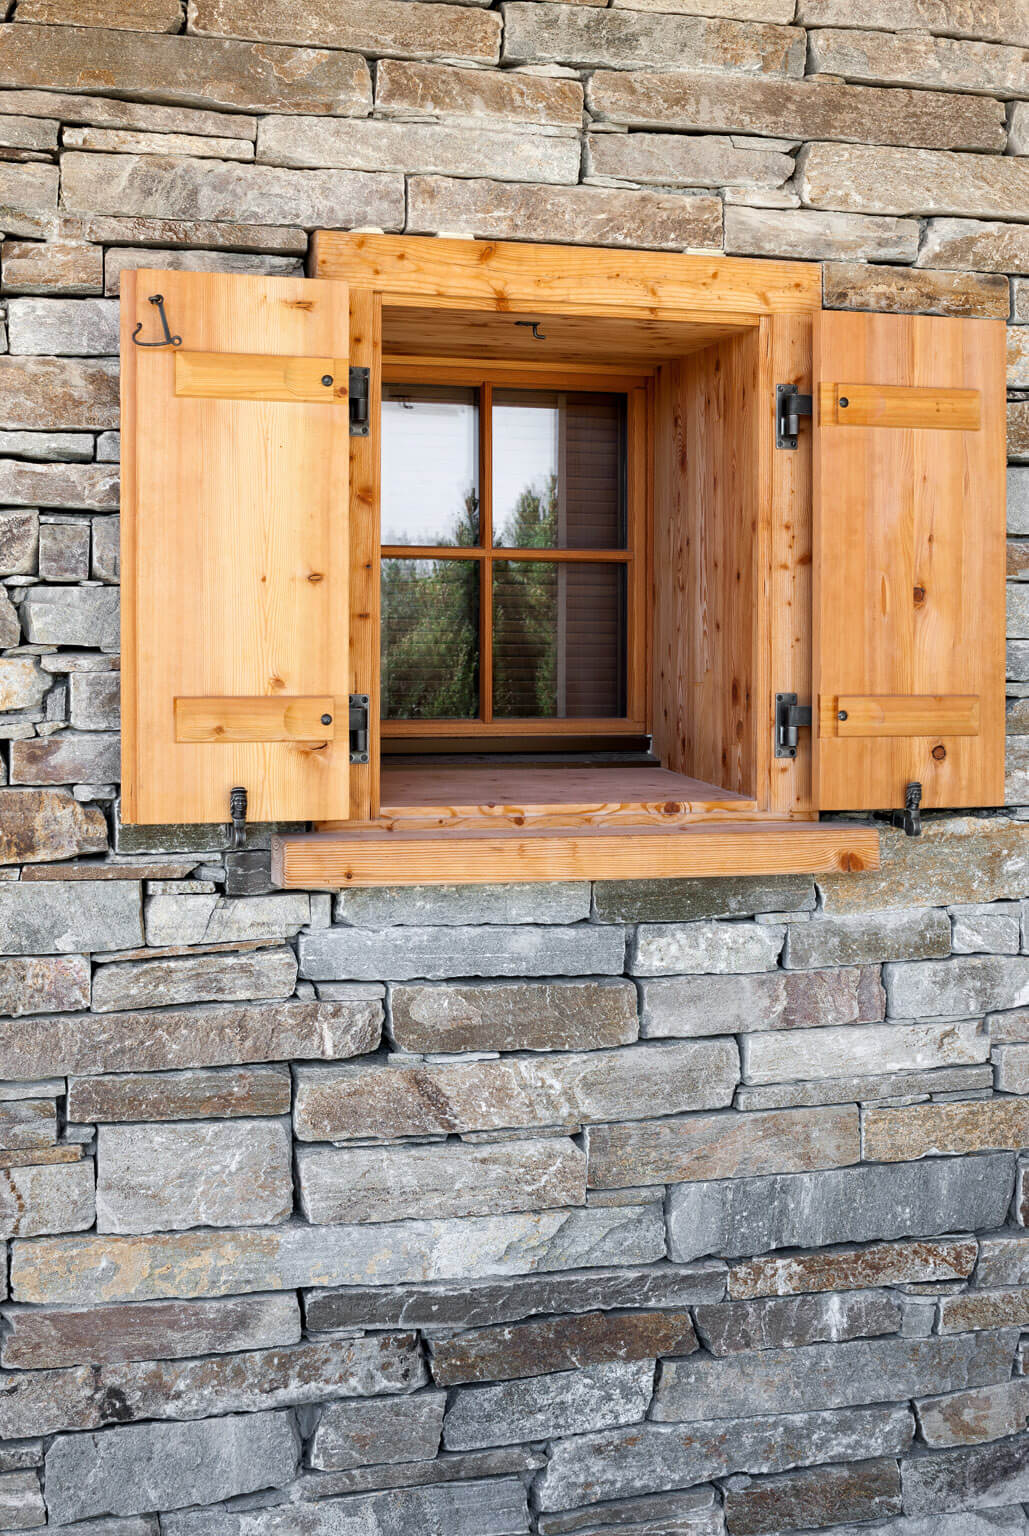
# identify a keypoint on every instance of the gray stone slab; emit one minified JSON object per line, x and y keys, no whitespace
{"x":199,"y":1093}
{"x":50,"y":918}
{"x":553,"y":1344}
{"x":165,"y":1466}
{"x":692,"y":1512}
{"x":159,"y":1177}
{"x":729,"y":1328}
{"x":966,"y":1418}
{"x":965,"y":985}
{"x":383,"y":1101}
{"x":21,"y":1501}
{"x":729,"y":1005}
{"x":830,"y":1375}
{"x":653,"y":1458}
{"x":183,"y":918}
{"x":217,"y":1263}
{"x":225,"y":976}
{"x":413,"y":952}
{"x":740,"y":1217}
{"x":493,"y":1507}
{"x":542,"y":1407}
{"x":558,"y":901}
{"x":86,"y":616}
{"x":45,"y":1337}
{"x":711,"y":947}
{"x":42,"y":1198}
{"x":206,"y":1036}
{"x":874,"y":1086}
{"x":513,"y":1015}
{"x":475,"y":1303}
{"x":377,"y":1431}
{"x":864,"y":938}
{"x":687,"y":901}
{"x":980,"y":1477}
{"x":88,"y":1397}
{"x":394,"y":1183}
{"x":63,"y":327}
{"x":814,"y":1497}
{"x":957,"y":858}
{"x":874,"y":1048}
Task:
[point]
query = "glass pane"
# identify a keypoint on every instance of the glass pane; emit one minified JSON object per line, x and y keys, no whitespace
{"x":430,"y":465}
{"x":430,"y":639}
{"x":558,"y":470}
{"x":558,"y":640}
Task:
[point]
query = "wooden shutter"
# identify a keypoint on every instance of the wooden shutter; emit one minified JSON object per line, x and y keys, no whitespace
{"x":908,"y":631}
{"x":235,"y":449}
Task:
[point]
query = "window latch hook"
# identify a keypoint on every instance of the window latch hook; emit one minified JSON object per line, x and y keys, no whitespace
{"x":169,"y":340}
{"x":537,"y":334}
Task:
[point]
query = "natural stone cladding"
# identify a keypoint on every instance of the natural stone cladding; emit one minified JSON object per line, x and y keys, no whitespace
{"x":682,"y":1208}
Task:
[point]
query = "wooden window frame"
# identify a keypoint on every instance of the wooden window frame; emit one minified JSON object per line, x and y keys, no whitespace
{"x":485,"y":375}
{"x":413,"y":285}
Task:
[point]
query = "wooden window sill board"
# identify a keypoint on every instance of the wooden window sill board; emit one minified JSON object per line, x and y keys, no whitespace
{"x":376,"y":856}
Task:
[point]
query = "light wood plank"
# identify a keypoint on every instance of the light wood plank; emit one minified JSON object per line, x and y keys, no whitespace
{"x":909,"y":562}
{"x":277,"y":719}
{"x":365,"y":585}
{"x":893,"y":405}
{"x":406,"y":368}
{"x":235,"y":523}
{"x":371,"y":857}
{"x":786,"y":572}
{"x":708,"y":601}
{"x":245,"y":376}
{"x":912,"y":715}
{"x":530,"y":280}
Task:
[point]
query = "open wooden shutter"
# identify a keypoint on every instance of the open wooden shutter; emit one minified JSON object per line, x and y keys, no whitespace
{"x":908,"y":628}
{"x":235,"y":449}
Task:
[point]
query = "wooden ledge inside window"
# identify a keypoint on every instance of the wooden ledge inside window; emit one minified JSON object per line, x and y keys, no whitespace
{"x":377,"y":856}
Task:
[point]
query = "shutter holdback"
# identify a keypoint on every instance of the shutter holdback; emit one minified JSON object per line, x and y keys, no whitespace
{"x":169,"y":340}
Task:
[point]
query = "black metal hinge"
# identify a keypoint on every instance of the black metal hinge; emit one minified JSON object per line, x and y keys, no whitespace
{"x":789,"y":717}
{"x":359,"y":418}
{"x":358,"y":727}
{"x":790,"y":406}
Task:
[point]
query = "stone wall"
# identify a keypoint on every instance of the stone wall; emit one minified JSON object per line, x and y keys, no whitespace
{"x":653,"y":1210}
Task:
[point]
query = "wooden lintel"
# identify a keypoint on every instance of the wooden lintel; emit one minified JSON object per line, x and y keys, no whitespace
{"x":369,"y":857}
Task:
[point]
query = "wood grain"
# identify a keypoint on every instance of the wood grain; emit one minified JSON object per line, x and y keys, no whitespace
{"x":364,"y":522}
{"x":243,"y":376}
{"x":920,"y":715}
{"x":369,"y":857}
{"x":708,"y":601}
{"x":894,"y":405}
{"x":909,"y":561}
{"x":277,"y":719}
{"x":235,"y":584}
{"x":530,"y":280}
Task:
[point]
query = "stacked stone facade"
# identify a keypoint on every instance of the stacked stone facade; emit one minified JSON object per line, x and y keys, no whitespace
{"x":669,"y":1209}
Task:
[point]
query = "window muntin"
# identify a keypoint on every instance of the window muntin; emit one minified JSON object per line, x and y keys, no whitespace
{"x":518,"y":616}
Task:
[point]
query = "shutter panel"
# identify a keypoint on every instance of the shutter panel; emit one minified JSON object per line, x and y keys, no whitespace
{"x":235,"y":459}
{"x":908,"y":632}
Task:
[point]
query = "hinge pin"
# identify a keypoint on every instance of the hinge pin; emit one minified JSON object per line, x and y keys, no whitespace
{"x":238,"y":816}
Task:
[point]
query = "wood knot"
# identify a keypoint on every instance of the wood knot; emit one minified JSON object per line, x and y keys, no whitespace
{"x":919,"y":596}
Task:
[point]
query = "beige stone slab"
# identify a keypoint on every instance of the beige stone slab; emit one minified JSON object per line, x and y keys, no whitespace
{"x":122,"y":141}
{"x":534,"y":1348}
{"x":985,"y":1309}
{"x":211,"y":1093}
{"x":1018,"y":361}
{"x":1018,"y":441}
{"x":132,"y":15}
{"x":969,"y":1418}
{"x":379,"y":27}
{"x":585,"y":38}
{"x":861,"y":179}
{"x":957,"y":859}
{"x":803,"y":234}
{"x":429,"y":148}
{"x":571,"y":215}
{"x":489,"y":97}
{"x":918,"y":59}
{"x":110,"y":112}
{"x":997,"y":20}
{"x":979,"y":245}
{"x":65,"y":267}
{"x":724,"y":1146}
{"x":737,"y":10}
{"x":911,"y":290}
{"x":927,"y":1130}
{"x":817,"y":108}
{"x":673,"y":160}
{"x":185,"y":71}
{"x":58,"y":393}
{"x":874,"y":1048}
{"x":41,"y":1198}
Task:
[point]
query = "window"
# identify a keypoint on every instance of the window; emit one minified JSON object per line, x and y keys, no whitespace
{"x":510,"y":546}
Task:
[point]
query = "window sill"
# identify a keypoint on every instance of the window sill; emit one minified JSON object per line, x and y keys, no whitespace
{"x":464,"y":856}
